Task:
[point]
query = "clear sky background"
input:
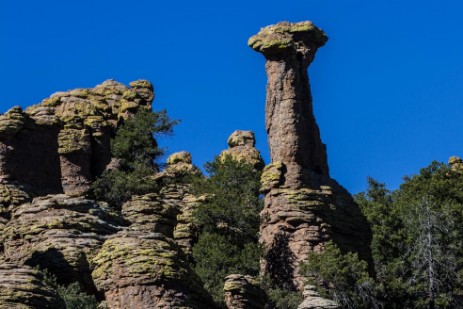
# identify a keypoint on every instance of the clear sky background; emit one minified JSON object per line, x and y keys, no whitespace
{"x":387,"y":87}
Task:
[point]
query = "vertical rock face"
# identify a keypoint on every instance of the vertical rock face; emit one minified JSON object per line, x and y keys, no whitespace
{"x":303,"y":207}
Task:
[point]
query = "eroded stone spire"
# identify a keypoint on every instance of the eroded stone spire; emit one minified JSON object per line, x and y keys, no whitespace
{"x":304,"y":208}
{"x":294,"y":137}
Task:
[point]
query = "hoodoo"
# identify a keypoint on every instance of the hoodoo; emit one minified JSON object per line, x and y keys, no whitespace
{"x":304,"y":207}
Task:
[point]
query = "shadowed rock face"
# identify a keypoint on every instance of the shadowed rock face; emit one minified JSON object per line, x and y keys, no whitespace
{"x":63,"y":143}
{"x":303,"y":207}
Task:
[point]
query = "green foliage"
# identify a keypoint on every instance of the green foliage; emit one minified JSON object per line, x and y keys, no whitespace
{"x":281,"y":298}
{"x":136,"y":149}
{"x":341,"y":277}
{"x":229,"y":224}
{"x":72,"y":294}
{"x":417,"y":242}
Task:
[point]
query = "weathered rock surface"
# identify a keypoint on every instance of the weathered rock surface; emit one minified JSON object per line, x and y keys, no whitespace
{"x":243,"y":292}
{"x":138,"y":269}
{"x":63,"y":143}
{"x":456,"y":164}
{"x":150,"y":213}
{"x":242,"y":147}
{"x":23,"y":287}
{"x":294,"y":137}
{"x":60,"y":233}
{"x":303,"y":207}
{"x":312,"y":300}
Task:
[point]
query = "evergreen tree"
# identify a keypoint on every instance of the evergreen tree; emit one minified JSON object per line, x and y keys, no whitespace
{"x":136,"y":149}
{"x":228,"y":223}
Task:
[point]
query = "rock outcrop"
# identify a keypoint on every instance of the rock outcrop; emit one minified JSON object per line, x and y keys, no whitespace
{"x":49,"y":156}
{"x":313,"y":300}
{"x":59,"y":233}
{"x":242,"y":147}
{"x":243,"y":292}
{"x":23,"y":287}
{"x":304,"y":207}
{"x":137,"y":269}
{"x":69,"y":135}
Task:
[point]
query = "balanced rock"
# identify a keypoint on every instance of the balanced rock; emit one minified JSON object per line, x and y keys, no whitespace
{"x":241,"y":147}
{"x":303,"y":206}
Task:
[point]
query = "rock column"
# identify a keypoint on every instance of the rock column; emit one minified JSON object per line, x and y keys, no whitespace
{"x":304,"y":207}
{"x":294,"y":137}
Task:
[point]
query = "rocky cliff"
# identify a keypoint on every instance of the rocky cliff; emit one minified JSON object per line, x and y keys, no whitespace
{"x":139,"y":256}
{"x":49,"y":155}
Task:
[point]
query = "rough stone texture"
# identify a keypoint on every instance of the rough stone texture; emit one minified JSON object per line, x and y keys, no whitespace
{"x":186,"y":232}
{"x":312,"y":300}
{"x":294,"y":137}
{"x":22,"y":287}
{"x":456,"y":164}
{"x":150,"y":213}
{"x":303,"y":206}
{"x":59,"y":233}
{"x":63,"y":143}
{"x":137,"y":269}
{"x":243,"y":292}
{"x":179,"y":164}
{"x":241,"y":147}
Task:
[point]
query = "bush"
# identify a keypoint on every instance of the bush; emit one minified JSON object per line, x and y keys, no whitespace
{"x":72,"y":294}
{"x":341,"y":277}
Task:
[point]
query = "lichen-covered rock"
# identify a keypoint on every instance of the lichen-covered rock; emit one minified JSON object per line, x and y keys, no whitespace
{"x":272,"y":176}
{"x":313,"y":300}
{"x":59,"y":233}
{"x":295,"y":222}
{"x":63,"y":143}
{"x":136,"y":269}
{"x":179,"y":157}
{"x":150,"y":213}
{"x":456,"y":164}
{"x":23,"y":287}
{"x":179,"y":164}
{"x":186,"y":232}
{"x":303,"y":206}
{"x":11,"y":122}
{"x":241,"y":148}
{"x":243,"y":292}
{"x":284,"y":36}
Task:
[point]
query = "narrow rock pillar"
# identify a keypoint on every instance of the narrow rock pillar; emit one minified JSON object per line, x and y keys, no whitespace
{"x":304,"y":208}
{"x":294,"y":137}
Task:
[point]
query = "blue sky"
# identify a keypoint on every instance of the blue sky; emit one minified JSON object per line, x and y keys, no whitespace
{"x":387,"y":87}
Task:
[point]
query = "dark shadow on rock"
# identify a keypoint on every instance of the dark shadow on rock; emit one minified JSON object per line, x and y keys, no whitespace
{"x":33,"y":161}
{"x":54,"y":261}
{"x":280,"y":260}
